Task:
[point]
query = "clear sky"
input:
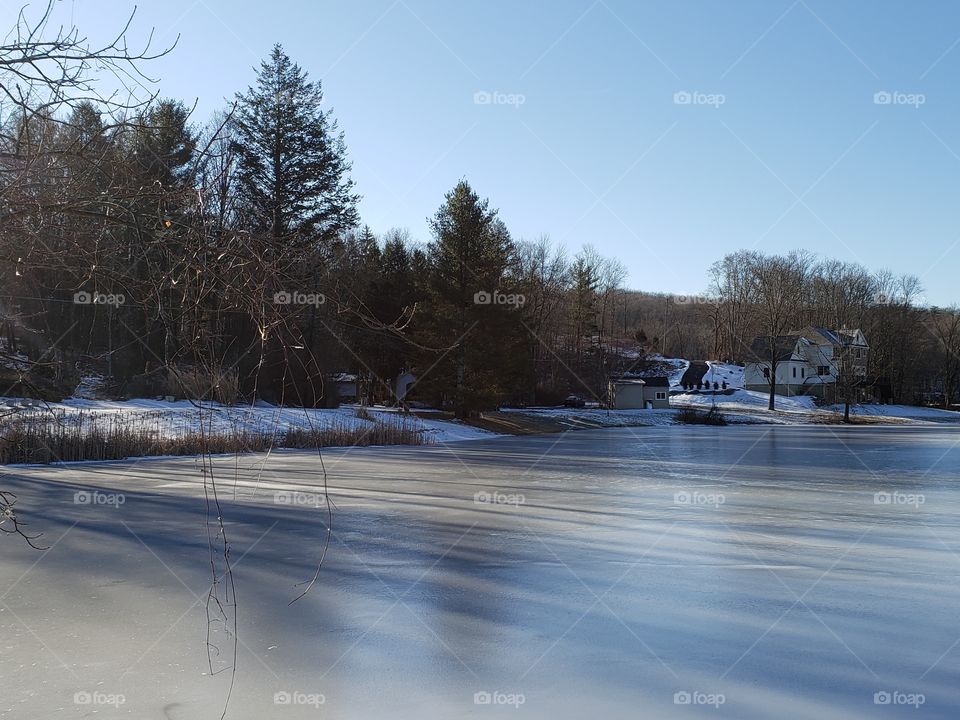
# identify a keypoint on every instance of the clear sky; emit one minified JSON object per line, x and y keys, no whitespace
{"x":783,"y":144}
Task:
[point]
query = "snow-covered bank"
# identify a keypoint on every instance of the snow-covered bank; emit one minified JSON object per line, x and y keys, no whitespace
{"x":182,"y":417}
{"x":803,"y":409}
{"x":586,"y":418}
{"x":743,"y":401}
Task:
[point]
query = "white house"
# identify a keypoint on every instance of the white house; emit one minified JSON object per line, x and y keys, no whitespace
{"x":809,"y":362}
{"x":627,"y":392}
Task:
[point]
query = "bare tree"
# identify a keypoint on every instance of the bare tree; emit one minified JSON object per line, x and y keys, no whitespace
{"x":944,"y":323}
{"x":731,"y":283}
{"x":779,"y":283}
{"x":45,"y":67}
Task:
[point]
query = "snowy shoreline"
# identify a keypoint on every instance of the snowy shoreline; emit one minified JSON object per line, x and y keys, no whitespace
{"x":178,"y":419}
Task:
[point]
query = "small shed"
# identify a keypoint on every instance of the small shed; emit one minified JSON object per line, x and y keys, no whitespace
{"x":347,"y":387}
{"x":403,"y":385}
{"x":626,"y":392}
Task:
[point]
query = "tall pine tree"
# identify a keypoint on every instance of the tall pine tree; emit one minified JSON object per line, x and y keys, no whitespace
{"x":293,"y":173}
{"x":476,"y":337}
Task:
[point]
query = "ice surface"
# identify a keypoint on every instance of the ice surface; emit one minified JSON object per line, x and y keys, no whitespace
{"x":592,"y":574}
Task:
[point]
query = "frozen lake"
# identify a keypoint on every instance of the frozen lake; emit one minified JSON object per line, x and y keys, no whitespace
{"x":739,"y":572}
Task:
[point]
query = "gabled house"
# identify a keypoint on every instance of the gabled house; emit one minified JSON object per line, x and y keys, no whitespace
{"x":810,"y":361}
{"x":792,"y":366}
{"x":631,"y":392}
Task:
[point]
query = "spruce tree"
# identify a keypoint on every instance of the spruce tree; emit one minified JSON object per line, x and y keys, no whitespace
{"x":293,"y":173}
{"x":470,"y":257}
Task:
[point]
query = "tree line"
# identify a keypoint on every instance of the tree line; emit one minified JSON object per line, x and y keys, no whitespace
{"x":227,"y":260}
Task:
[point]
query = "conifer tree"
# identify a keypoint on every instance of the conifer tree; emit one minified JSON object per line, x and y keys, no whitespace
{"x":470,"y":314}
{"x":293,"y":173}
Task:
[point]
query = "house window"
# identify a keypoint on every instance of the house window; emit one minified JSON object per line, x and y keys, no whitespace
{"x":661,"y":395}
{"x":766,"y":373}
{"x":803,"y":372}
{"x":823,"y":370}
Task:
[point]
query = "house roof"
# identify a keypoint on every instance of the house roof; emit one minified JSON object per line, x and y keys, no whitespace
{"x":658,"y":381}
{"x":784,"y":346}
{"x":629,"y":378}
{"x":849,"y":337}
{"x":838,"y":338}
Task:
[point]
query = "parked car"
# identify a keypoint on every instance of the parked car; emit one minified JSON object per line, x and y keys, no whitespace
{"x":574,"y":401}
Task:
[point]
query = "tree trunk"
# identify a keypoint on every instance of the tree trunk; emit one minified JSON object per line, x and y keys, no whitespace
{"x":773,"y":385}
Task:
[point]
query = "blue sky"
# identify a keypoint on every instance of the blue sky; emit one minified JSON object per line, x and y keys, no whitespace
{"x":784,"y":143}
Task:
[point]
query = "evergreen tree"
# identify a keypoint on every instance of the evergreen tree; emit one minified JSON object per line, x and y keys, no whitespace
{"x":477,"y":333}
{"x":293,"y":172}
{"x":164,"y":144}
{"x":583,"y":312}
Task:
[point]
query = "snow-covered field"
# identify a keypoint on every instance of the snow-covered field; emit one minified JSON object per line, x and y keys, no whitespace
{"x":739,"y":573}
{"x":791,"y":410}
{"x":743,"y":401}
{"x":724,"y":373}
{"x":679,"y":367}
{"x":909,"y":412}
{"x":171,"y":419}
